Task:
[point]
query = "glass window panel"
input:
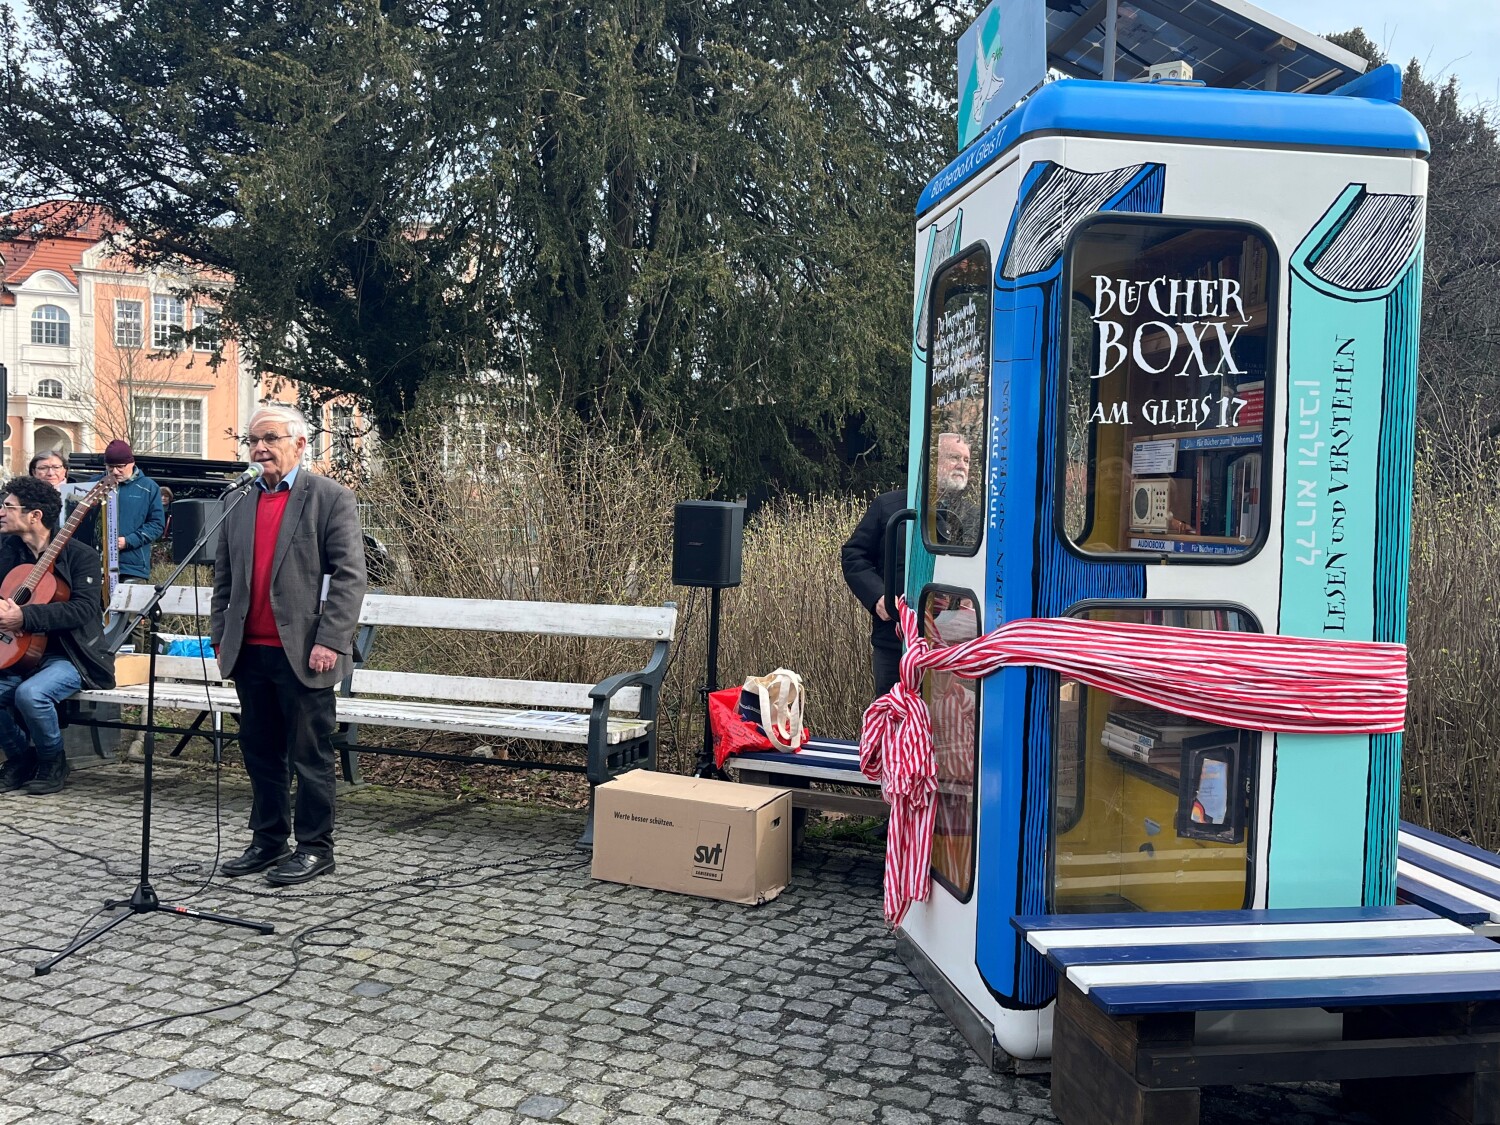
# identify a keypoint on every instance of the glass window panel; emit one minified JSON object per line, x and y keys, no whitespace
{"x":168,"y":319}
{"x":1151,"y":810}
{"x":958,"y":382}
{"x":49,"y":325}
{"x":951,"y":617}
{"x":170,"y":425}
{"x":205,"y":328}
{"x":1164,"y":411}
{"x":130,"y":324}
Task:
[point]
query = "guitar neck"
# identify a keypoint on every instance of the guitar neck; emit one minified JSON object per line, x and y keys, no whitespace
{"x":60,"y":540}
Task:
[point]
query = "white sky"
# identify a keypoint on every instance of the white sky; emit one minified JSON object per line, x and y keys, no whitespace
{"x":1459,"y":37}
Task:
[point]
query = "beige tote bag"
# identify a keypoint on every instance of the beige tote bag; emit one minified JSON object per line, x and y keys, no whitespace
{"x":780,"y":695}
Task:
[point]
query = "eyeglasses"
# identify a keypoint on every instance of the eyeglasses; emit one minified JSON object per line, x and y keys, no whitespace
{"x":252,"y":440}
{"x":12,"y":507}
{"x":49,"y":469}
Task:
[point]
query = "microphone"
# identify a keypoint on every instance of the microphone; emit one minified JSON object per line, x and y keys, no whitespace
{"x":253,"y":472}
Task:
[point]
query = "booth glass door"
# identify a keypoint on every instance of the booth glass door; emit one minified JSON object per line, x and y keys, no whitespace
{"x":1151,"y":810}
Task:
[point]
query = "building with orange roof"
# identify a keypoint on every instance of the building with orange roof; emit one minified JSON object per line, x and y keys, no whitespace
{"x":97,"y":348}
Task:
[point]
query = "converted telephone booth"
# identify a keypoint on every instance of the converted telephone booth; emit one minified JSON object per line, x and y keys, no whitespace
{"x":1164,"y":360}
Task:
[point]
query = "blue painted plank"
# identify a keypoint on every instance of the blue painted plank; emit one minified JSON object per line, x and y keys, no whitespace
{"x":1440,"y":903}
{"x":1490,"y":888}
{"x":1355,"y":992}
{"x":1269,"y":950}
{"x":1471,"y":850}
{"x":1285,"y":916}
{"x":776,"y":757}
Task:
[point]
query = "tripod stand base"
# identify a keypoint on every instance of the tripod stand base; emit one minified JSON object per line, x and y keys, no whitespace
{"x":144,"y":901}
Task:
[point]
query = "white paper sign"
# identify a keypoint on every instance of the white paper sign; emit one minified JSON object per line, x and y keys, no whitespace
{"x":1153,"y":458}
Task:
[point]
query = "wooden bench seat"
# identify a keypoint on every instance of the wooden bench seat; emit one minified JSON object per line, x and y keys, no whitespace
{"x":1449,"y":877}
{"x":614,"y":720}
{"x":1418,"y":996}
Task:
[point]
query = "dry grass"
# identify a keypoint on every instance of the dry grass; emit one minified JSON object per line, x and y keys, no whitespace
{"x":1451,"y":751}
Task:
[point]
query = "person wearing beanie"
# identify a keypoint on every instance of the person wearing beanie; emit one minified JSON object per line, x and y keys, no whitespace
{"x":142,"y":519}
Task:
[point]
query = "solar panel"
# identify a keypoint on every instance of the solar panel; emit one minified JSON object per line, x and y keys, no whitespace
{"x":1229,"y":43}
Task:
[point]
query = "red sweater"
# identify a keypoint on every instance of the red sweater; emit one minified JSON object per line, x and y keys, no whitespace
{"x":260,"y":622}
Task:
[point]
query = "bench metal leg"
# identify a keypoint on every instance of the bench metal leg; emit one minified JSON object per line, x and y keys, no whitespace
{"x":197,"y":726}
{"x":586,"y":841}
{"x":346,"y":741}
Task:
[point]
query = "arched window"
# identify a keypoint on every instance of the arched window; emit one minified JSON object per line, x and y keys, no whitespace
{"x":49,"y":388}
{"x":49,"y":325}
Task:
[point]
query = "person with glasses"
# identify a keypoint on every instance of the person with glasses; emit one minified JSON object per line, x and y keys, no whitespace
{"x":52,"y":467}
{"x":75,"y":656}
{"x":294,"y":543}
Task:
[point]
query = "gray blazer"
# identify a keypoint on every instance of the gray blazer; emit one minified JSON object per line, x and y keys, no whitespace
{"x":319,"y":535}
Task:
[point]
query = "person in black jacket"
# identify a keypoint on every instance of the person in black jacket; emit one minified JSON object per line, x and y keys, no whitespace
{"x":74,"y":657}
{"x":864,"y":570}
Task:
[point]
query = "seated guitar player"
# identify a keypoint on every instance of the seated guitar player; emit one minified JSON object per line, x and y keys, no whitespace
{"x":68,"y":620}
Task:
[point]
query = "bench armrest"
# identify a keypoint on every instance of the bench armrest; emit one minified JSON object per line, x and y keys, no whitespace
{"x":649,"y":679}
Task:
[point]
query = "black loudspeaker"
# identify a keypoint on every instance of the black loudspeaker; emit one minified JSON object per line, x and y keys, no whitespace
{"x":189,"y":518}
{"x":706,"y":537}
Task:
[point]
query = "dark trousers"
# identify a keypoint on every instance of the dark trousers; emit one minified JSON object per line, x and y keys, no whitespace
{"x":887,"y":665}
{"x":286,"y":730}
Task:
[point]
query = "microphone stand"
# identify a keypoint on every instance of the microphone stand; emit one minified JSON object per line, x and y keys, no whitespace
{"x":144,"y":899}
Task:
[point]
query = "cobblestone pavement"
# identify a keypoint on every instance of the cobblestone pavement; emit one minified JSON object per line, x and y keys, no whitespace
{"x":508,"y":988}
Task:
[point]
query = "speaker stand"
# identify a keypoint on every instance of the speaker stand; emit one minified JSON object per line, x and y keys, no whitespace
{"x":706,"y":767}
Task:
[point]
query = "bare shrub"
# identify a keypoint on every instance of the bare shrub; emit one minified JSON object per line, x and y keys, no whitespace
{"x":490,"y":502}
{"x":1451,"y":750}
{"x":573,"y":513}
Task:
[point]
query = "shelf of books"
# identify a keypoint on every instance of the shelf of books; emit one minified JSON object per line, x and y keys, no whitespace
{"x":1148,"y":743}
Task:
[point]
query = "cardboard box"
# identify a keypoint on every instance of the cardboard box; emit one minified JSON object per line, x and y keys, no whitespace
{"x":715,"y":839}
{"x":131,"y":668}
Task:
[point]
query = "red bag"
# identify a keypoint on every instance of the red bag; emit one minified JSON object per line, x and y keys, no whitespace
{"x":732,"y":734}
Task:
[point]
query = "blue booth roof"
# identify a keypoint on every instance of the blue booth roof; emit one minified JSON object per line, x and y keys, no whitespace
{"x":1362,"y":116}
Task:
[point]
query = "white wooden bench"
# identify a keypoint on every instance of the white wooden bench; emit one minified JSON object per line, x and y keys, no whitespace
{"x":614,"y":719}
{"x":1449,"y":877}
{"x":1419,"y":1038}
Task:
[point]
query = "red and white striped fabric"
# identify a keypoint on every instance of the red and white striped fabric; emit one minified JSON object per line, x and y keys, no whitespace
{"x":1250,"y":680}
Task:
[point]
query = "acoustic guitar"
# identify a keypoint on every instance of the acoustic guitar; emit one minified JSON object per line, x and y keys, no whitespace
{"x":37,"y":584}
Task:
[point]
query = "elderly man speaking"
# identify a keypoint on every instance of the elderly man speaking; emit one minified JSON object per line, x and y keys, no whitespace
{"x":289,"y":577}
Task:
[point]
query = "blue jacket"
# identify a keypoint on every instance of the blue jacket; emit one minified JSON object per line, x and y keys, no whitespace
{"x":141,"y":523}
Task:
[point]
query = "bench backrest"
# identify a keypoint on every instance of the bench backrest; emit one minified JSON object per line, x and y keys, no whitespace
{"x":558,"y":619}
{"x":648,"y":623}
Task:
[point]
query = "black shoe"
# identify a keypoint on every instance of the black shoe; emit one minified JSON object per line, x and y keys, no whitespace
{"x":50,"y":776}
{"x":300,"y":868}
{"x":256,"y":858}
{"x":18,"y":770}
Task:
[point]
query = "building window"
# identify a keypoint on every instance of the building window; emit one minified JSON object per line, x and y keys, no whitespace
{"x":342,"y":425}
{"x":49,"y":325}
{"x":317,"y":438}
{"x":170,"y":425}
{"x":168,"y":319}
{"x":130,"y":324}
{"x":49,"y":388}
{"x":205,"y":328}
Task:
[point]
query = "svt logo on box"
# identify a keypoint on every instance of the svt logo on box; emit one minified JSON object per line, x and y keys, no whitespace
{"x":711,"y":851}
